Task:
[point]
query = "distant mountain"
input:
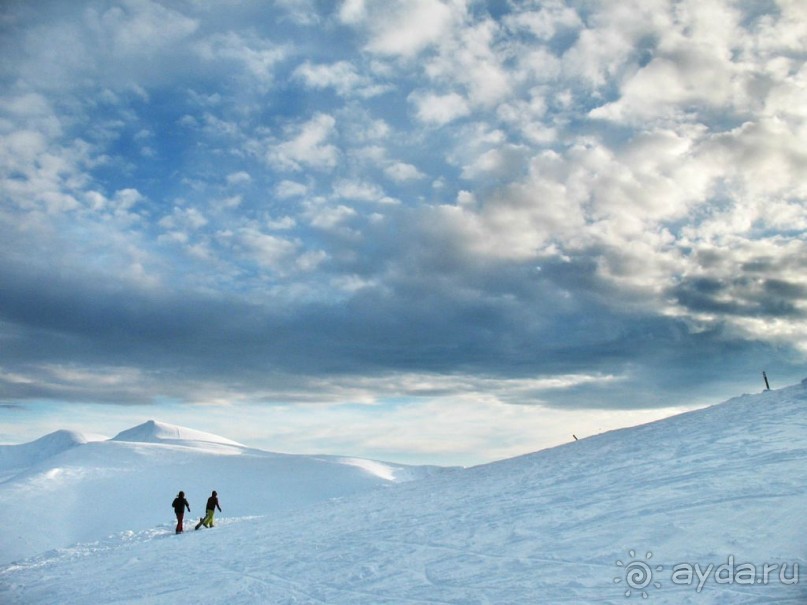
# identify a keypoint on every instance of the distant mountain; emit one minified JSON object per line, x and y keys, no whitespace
{"x":160,"y":432}
{"x":15,"y":457}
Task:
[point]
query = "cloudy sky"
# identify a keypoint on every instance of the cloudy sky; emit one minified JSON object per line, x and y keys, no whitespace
{"x":431,"y":230}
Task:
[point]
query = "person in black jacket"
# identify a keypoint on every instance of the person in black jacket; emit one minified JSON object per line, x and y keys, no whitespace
{"x":212,"y":505}
{"x":179,"y":505}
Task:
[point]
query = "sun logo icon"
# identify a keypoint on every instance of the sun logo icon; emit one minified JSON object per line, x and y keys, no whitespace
{"x":638,"y":574}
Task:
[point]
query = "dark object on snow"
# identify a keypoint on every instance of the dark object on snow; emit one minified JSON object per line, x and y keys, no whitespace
{"x":767,"y":386}
{"x":212,"y":505}
{"x":180,"y":504}
{"x":575,"y":436}
{"x":213,"y":502}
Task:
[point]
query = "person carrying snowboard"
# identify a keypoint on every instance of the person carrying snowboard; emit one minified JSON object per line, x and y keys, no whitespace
{"x":179,"y":505}
{"x":212,"y":505}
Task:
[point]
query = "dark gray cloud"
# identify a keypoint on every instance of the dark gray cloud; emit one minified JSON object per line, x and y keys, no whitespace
{"x":90,"y":341}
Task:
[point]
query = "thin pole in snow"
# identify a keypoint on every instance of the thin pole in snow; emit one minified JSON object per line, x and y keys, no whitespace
{"x":765,"y":376}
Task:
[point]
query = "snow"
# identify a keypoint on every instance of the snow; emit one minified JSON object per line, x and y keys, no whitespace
{"x":719,"y":493}
{"x":160,"y":432}
{"x":70,"y":490}
{"x":13,"y":458}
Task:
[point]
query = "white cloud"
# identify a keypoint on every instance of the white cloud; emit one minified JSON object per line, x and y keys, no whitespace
{"x":281,"y":224}
{"x":360,"y":191}
{"x":403,"y":27}
{"x":537,"y":66}
{"x":140,"y":26}
{"x":704,"y":58}
{"x":114,"y":44}
{"x":184,"y":219}
{"x":34,"y":111}
{"x":439,"y":110}
{"x":785,"y":33}
{"x":269,"y":251}
{"x":126,"y":198}
{"x":39,"y":172}
{"x":767,"y":157}
{"x":257,"y":56}
{"x":374,"y":155}
{"x":288,"y":189}
{"x":232,"y":201}
{"x":21,"y":148}
{"x":310,"y":261}
{"x":308,"y":146}
{"x":402,"y":172}
{"x":550,"y":19}
{"x":342,"y":76}
{"x":374,"y":130}
{"x":472,"y":59}
{"x":505,"y":162}
{"x":668,"y":85}
{"x":352,"y":11}
{"x":236,"y":179}
{"x":302,"y":12}
{"x":329,"y":218}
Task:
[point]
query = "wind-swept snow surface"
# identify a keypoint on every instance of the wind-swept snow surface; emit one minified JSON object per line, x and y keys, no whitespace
{"x":703,"y":508}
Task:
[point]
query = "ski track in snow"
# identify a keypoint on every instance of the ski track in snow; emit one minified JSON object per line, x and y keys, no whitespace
{"x":544,"y":528}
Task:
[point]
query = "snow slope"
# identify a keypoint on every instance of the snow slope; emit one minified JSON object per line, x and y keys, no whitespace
{"x":720,"y":492}
{"x":63,"y":489}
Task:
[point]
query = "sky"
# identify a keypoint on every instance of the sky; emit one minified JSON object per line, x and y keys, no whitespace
{"x":441,"y":231}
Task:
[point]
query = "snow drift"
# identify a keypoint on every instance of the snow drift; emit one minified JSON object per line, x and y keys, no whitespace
{"x":621,"y":516}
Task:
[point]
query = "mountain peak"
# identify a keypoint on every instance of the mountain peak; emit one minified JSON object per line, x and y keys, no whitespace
{"x":26,"y":454}
{"x":153,"y":431}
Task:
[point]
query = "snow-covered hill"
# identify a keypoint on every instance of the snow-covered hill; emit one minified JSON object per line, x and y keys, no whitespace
{"x":64,"y":488}
{"x":703,"y":508}
{"x":160,"y":432}
{"x":15,"y":458}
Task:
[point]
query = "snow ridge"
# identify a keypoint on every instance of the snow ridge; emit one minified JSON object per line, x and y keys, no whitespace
{"x":153,"y":431}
